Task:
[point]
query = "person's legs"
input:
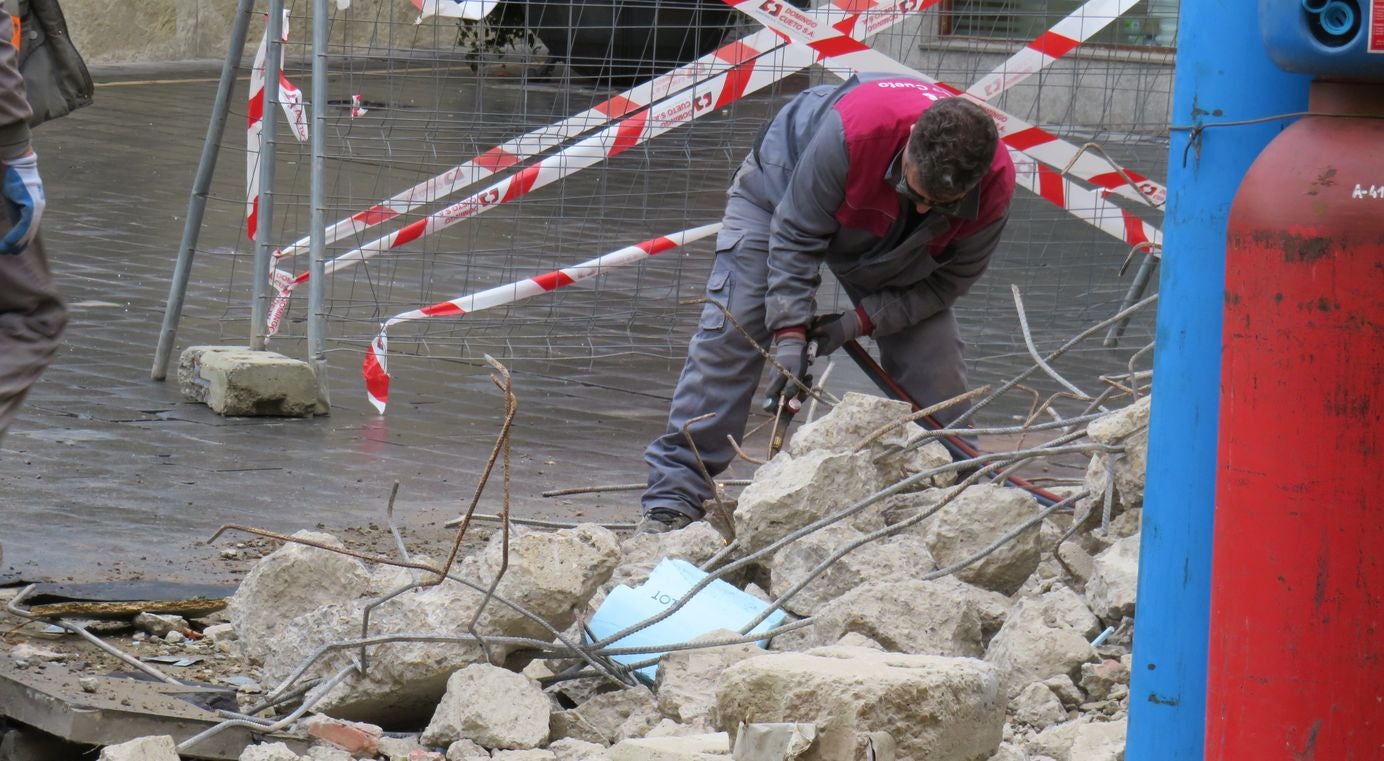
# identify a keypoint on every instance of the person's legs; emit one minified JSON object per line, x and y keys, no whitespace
{"x":928,"y":360}
{"x":720,"y":375}
{"x":31,"y":323}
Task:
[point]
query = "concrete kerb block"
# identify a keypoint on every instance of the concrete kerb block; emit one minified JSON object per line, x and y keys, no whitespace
{"x":239,"y":382}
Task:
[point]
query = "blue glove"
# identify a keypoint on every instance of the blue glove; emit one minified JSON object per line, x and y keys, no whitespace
{"x":24,"y":202}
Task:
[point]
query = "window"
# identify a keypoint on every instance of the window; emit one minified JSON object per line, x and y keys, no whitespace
{"x":1151,"y":23}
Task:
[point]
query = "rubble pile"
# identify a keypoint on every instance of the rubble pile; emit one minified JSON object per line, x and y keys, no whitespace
{"x":992,"y":662}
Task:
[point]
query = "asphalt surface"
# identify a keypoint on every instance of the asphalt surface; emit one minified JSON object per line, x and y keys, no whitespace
{"x":110,"y":474}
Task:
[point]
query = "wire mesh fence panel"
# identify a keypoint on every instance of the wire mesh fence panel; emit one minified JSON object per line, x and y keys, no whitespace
{"x":592,"y":157}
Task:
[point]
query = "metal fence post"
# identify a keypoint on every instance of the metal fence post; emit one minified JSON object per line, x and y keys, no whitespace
{"x":197,"y":201}
{"x":264,"y":226}
{"x":317,"y":318}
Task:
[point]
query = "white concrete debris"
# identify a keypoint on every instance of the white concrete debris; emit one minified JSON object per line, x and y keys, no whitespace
{"x":938,"y":708}
{"x":268,"y":752}
{"x":1081,"y":740}
{"x":491,"y":706}
{"x":889,"y":559}
{"x":569,"y":749}
{"x":1043,"y":637}
{"x":1037,"y":706}
{"x":791,"y":492}
{"x":708,"y":747}
{"x":973,"y":521}
{"x":524,"y":755}
{"x":236,"y":381}
{"x":1128,"y":427}
{"x":858,"y":416}
{"x":609,"y":716}
{"x":1106,"y":680}
{"x":686,"y":686}
{"x":155,"y":748}
{"x":641,"y":552}
{"x":552,"y":574}
{"x":291,"y":581}
{"x":1114,"y":581}
{"x":1008,"y":752}
{"x":938,"y":617}
{"x":1065,"y":689}
{"x":466,"y":750}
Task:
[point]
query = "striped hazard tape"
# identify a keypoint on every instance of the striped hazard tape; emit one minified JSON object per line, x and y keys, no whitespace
{"x":1064,"y":37}
{"x":750,"y":70}
{"x":840,"y":14}
{"x":290,"y":98}
{"x":376,"y":366}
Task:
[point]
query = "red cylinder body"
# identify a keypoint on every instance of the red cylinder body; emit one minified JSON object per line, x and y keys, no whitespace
{"x":1296,"y":657}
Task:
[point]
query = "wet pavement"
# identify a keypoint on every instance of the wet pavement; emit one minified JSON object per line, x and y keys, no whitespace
{"x":108,"y":473}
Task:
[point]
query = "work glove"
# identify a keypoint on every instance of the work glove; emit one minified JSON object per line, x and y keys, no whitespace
{"x":832,"y":331}
{"x":791,"y":351}
{"x":24,"y":202}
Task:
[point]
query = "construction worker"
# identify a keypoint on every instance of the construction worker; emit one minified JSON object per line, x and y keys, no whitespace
{"x":902,"y":191}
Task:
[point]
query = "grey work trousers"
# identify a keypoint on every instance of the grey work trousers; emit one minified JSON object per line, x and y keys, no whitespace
{"x":723,"y":368}
{"x":31,"y":324}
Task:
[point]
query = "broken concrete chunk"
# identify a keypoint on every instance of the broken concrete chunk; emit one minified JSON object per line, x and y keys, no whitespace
{"x":791,"y":492}
{"x":1037,"y":706}
{"x":1065,"y":689}
{"x":978,"y":517}
{"x":938,"y":617}
{"x":160,"y":625}
{"x":711,"y":747}
{"x":1081,"y":740}
{"x":551,"y":574}
{"x":609,"y":717}
{"x":291,"y":581}
{"x":268,"y":752}
{"x":1128,"y":427}
{"x":851,"y":422}
{"x":1039,"y":639}
{"x":888,"y":559}
{"x":233,"y":381}
{"x":773,"y":742}
{"x":1103,"y":680}
{"x":1115,"y":581}
{"x":1009,"y":752}
{"x":569,"y":749}
{"x":524,"y":755}
{"x":491,"y":706}
{"x":156,"y":748}
{"x":686,"y":685}
{"x":466,"y":750}
{"x":641,"y":552}
{"x":955,"y":706}
{"x":324,"y":752}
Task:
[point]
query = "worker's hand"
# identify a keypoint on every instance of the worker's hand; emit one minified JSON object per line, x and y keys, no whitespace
{"x":24,"y":202}
{"x":790,"y":351}
{"x":832,"y":331}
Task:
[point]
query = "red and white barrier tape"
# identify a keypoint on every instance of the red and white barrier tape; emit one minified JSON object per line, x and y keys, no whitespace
{"x":745,"y":75}
{"x":1090,"y":206}
{"x":1064,"y":36}
{"x":376,"y":365}
{"x":290,"y":98}
{"x":1014,"y":132}
{"x":877,"y":16}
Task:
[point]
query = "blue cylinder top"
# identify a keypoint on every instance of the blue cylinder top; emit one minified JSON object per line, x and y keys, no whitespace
{"x":1337,"y":39}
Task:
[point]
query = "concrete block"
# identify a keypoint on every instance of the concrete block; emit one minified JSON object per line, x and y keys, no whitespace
{"x":238,"y":382}
{"x":710,"y":747}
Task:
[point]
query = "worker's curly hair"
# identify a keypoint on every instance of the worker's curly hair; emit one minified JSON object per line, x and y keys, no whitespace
{"x":952,"y":147}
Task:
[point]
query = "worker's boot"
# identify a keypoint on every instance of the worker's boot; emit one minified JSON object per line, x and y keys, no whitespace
{"x":661,"y":520}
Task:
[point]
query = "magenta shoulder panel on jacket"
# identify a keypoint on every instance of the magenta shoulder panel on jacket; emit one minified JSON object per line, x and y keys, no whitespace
{"x":875,"y":118}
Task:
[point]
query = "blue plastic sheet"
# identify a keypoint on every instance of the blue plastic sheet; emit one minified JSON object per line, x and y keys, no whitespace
{"x":718,"y":606}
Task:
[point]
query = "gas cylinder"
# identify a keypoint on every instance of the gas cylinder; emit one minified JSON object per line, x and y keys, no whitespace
{"x":1296,"y":656}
